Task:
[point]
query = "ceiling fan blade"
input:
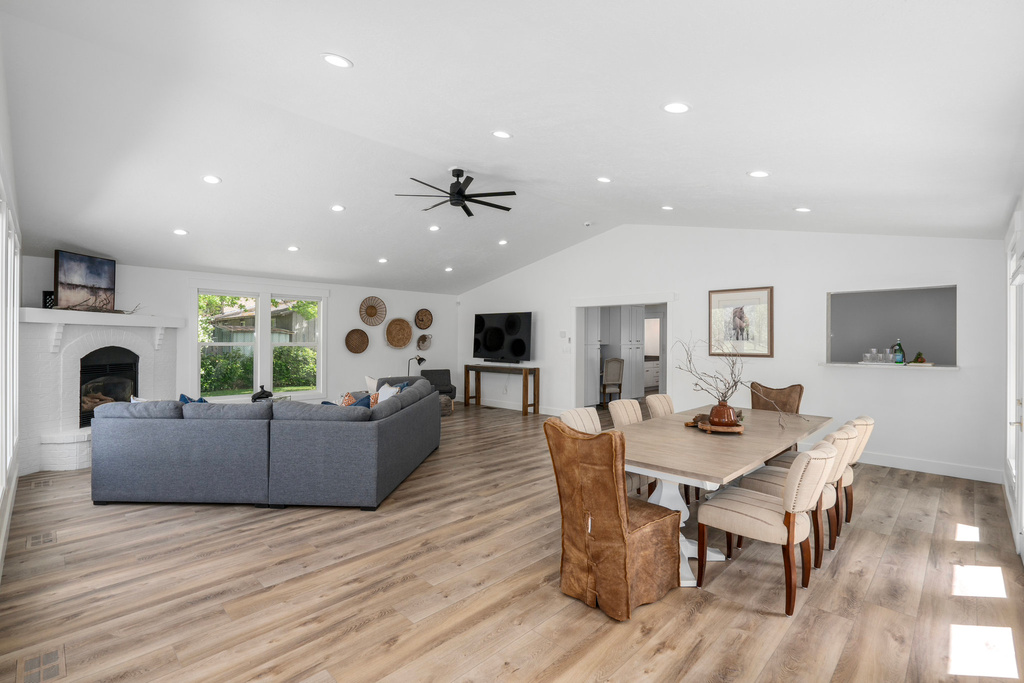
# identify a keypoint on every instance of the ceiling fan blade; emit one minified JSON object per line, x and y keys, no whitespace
{"x":445,"y":201}
{"x":465,"y":184}
{"x":466,"y":209}
{"x":492,"y":194}
{"x":493,"y":206}
{"x":421,"y":195}
{"x":444,"y":192}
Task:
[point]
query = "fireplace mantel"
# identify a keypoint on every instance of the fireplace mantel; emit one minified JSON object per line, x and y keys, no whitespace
{"x":58,"y":318}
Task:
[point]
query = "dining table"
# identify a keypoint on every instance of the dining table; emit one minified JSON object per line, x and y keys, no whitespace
{"x":667,"y":450}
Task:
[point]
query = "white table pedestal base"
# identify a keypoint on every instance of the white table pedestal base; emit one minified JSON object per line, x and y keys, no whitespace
{"x":666,"y":494}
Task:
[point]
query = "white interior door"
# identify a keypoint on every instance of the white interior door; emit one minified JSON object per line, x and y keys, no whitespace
{"x":1013,"y":479}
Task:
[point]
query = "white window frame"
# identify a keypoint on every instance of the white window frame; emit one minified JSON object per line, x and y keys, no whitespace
{"x":318,"y":346}
{"x":263,"y":348}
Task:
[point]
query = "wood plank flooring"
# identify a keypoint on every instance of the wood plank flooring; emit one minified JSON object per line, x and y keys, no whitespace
{"x":455,"y":578}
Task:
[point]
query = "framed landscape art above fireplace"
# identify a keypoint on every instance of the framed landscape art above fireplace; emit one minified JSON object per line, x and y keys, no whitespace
{"x":84,"y":283}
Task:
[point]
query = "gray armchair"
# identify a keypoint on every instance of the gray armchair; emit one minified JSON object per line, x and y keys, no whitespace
{"x":441,"y":381}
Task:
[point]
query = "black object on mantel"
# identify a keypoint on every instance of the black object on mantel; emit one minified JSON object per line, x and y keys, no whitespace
{"x":261,"y":394}
{"x":48,"y":298}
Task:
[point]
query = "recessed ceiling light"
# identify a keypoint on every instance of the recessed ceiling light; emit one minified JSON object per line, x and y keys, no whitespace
{"x":336,"y":60}
{"x":501,"y":134}
{"x":602,"y":179}
{"x":666,"y":208}
{"x":802,"y":209}
{"x":448,"y":269}
{"x":502,"y":242}
{"x":676,"y":108}
{"x":179,"y":231}
{"x":434,"y":228}
{"x":382,"y":260}
{"x":212,"y":179}
{"x":293,"y":248}
{"x":337,"y":207}
{"x":758,"y":174}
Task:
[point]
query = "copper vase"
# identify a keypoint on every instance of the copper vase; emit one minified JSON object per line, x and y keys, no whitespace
{"x":722,"y":415}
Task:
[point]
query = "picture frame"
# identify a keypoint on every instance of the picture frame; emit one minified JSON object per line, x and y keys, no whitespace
{"x":84,"y":283}
{"x":741,"y":322}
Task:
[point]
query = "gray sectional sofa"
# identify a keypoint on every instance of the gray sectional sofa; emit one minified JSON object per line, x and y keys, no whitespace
{"x":285,"y":453}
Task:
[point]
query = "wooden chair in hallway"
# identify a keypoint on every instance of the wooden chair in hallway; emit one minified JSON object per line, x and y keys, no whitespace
{"x":617,"y":552}
{"x":611,"y":379}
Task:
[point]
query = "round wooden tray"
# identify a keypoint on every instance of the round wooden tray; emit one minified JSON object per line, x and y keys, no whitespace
{"x":356,"y":341}
{"x":372,"y":311}
{"x":424,"y":318}
{"x":709,"y":428}
{"x":399,"y":333}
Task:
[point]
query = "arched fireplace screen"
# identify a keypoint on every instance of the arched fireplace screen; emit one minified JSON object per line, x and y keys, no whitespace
{"x":108,"y":374}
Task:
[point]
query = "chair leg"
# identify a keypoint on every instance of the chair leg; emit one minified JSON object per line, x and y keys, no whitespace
{"x":805,"y":559}
{"x":834,"y":523}
{"x":702,"y":552}
{"x":728,"y":545}
{"x":789,"y":562}
{"x":653,"y":484}
{"x":839,"y":514}
{"x":739,"y":541}
{"x":686,"y":494}
{"x":849,"y":503}
{"x":819,"y":536}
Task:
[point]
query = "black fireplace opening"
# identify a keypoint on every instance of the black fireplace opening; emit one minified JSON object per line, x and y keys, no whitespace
{"x":108,"y":375}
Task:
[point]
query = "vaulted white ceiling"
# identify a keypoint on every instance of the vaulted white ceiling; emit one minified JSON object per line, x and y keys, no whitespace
{"x":881,"y":117}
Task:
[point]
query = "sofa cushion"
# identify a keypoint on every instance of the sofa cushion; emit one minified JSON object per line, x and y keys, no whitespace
{"x":159,"y":410}
{"x":386,"y":408}
{"x":296,"y":410}
{"x":228,"y":411}
{"x":408,"y":397}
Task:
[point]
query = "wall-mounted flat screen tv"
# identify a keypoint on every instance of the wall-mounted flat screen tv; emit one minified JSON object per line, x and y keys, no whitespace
{"x":503,"y":337}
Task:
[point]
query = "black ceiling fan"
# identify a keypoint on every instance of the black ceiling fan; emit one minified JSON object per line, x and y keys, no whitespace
{"x":456,"y":194}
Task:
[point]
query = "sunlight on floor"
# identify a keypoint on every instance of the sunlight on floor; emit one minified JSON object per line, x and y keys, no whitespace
{"x":966,"y":532}
{"x":978,"y":582}
{"x":981,"y":651}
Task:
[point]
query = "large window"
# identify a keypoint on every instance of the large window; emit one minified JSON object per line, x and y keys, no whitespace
{"x":252,"y":339}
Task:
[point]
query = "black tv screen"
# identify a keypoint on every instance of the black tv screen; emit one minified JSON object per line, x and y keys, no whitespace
{"x":503,"y":337}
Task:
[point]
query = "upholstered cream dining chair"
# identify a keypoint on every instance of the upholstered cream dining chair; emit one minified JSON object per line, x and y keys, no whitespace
{"x":771,"y":519}
{"x":582,"y":420}
{"x":660,"y":405}
{"x":586,"y":420}
{"x":626,"y":411}
{"x":617,"y":552}
{"x":772,"y":480}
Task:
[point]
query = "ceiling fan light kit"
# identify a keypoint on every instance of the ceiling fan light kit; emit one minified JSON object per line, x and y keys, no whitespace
{"x":457,"y":195}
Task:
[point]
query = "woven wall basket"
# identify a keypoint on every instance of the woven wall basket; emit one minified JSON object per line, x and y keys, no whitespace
{"x":373,"y":311}
{"x":356,"y":341}
{"x":399,"y":333}
{"x":424,"y":318}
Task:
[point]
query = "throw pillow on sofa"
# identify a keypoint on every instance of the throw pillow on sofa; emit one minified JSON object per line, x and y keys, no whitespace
{"x":387,"y":391}
{"x":186,"y":399}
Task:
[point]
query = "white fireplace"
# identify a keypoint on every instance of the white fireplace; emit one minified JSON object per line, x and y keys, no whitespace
{"x":52,"y":345}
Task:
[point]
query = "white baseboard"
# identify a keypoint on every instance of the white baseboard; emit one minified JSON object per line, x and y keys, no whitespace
{"x":948,"y":469}
{"x":7,"y":508}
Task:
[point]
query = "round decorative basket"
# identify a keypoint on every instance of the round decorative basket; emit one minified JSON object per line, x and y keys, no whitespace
{"x":372,"y":311}
{"x":356,"y":341}
{"x":423,"y":342}
{"x":399,"y":333}
{"x":424,"y":318}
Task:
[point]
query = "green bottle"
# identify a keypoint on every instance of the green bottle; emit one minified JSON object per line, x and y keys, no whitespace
{"x":898,"y":350}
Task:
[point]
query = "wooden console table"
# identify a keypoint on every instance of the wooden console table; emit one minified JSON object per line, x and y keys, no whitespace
{"x":507,"y":370}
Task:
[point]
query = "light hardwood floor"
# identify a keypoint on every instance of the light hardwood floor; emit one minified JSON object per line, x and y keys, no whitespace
{"x":455,"y":578}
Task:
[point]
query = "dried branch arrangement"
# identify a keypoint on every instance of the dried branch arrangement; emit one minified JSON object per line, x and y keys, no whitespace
{"x":720,"y":384}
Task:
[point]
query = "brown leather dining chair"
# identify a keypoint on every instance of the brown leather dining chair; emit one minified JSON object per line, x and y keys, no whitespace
{"x":782,"y":521}
{"x":617,"y":553}
{"x":786,"y":400}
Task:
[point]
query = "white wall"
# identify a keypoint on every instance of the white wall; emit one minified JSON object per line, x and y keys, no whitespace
{"x":165,"y":292}
{"x":940,"y":421}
